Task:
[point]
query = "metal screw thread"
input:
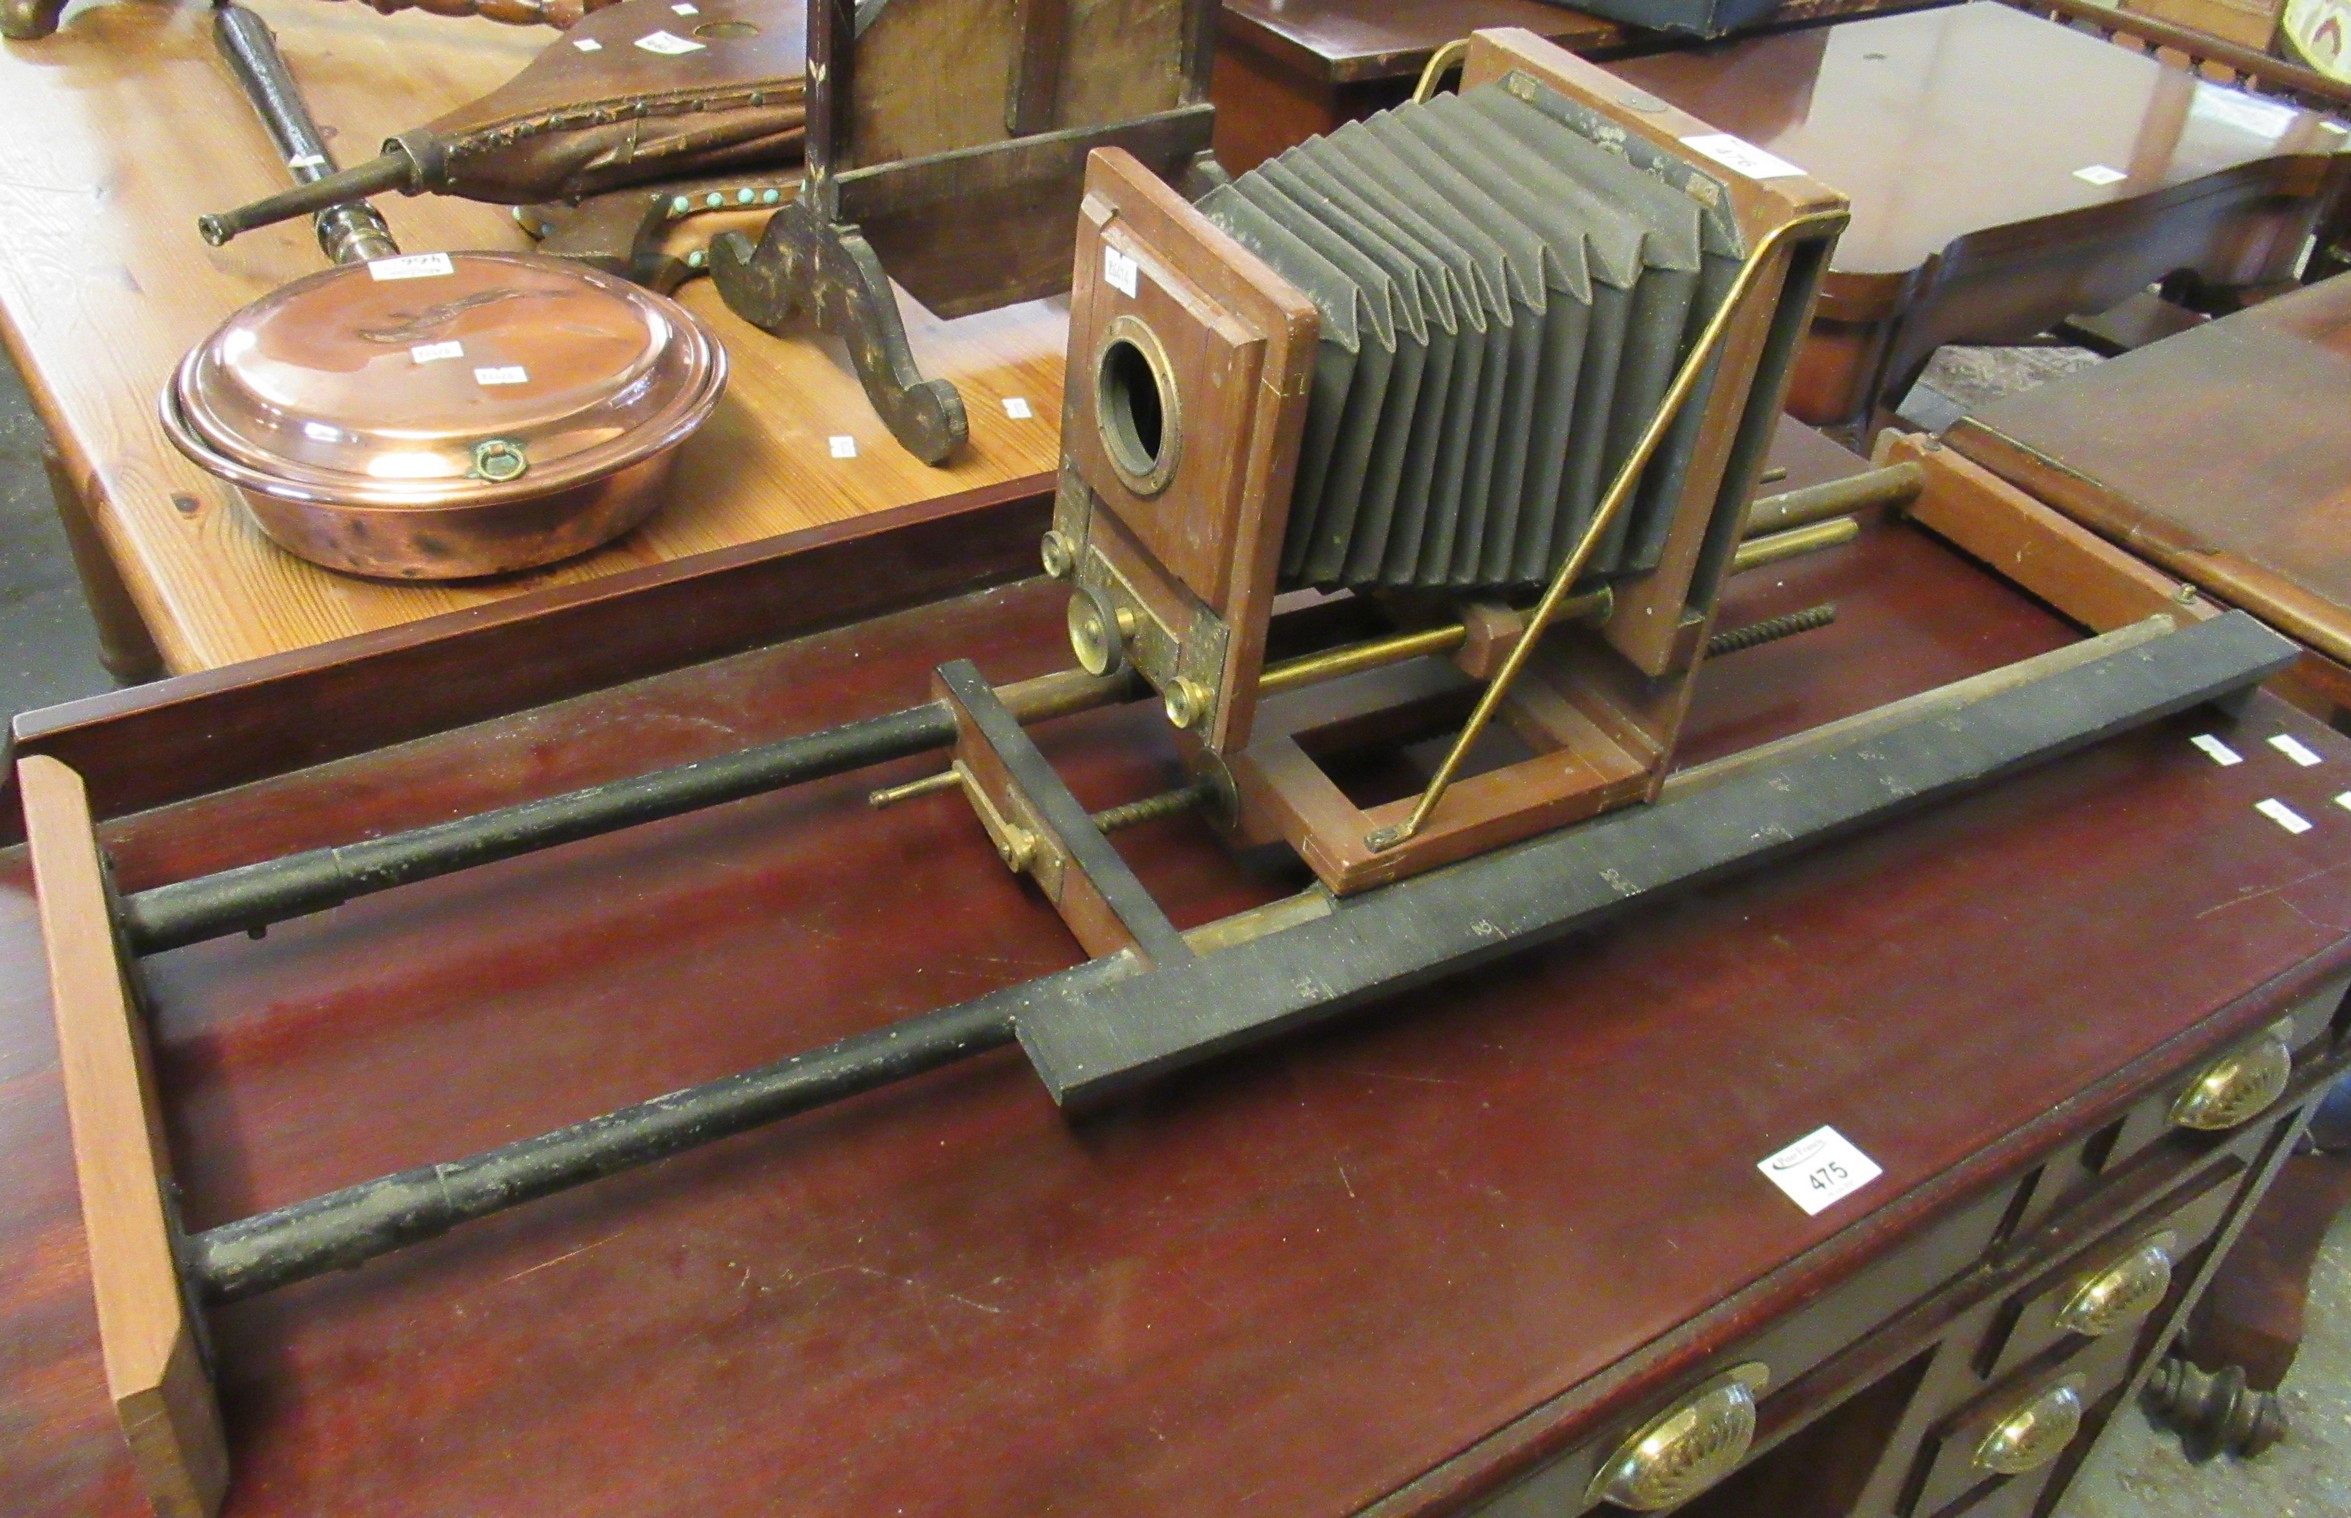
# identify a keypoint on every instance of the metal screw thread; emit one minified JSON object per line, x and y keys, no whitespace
{"x":1731,"y":640}
{"x":1151,"y":808}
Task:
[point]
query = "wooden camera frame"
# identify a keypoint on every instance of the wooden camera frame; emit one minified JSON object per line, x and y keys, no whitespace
{"x":1181,"y":564}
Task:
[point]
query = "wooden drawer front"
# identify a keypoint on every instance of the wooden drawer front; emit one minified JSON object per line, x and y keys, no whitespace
{"x":1954,"y":1480}
{"x":2133,"y":1268}
{"x":2306,"y":1030}
{"x":1795,"y":1345}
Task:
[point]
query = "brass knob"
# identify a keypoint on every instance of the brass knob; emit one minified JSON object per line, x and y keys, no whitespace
{"x":1187,"y":701}
{"x":1057,"y":555}
{"x":1098,"y":631}
{"x":1685,"y":1449}
{"x":2239,"y":1085}
{"x":2125,"y":1291}
{"x":2030,"y":1437}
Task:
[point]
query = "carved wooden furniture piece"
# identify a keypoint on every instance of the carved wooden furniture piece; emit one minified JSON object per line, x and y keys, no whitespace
{"x":2154,"y":172}
{"x":1939,"y":1329}
{"x":963,"y":189}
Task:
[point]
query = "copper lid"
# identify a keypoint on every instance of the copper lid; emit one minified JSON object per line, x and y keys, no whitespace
{"x":443,"y":381}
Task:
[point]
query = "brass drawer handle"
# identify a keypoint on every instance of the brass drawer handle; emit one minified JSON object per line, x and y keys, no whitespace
{"x":1685,"y":1449}
{"x":2030,"y":1437}
{"x":2238,"y":1085}
{"x":2123,"y":1292}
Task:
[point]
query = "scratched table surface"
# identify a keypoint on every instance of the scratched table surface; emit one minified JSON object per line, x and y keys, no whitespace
{"x":125,"y":126}
{"x":1297,"y":1283}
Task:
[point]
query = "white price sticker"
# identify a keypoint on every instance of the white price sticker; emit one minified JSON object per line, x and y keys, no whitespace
{"x":307,"y":161}
{"x":1118,"y":270}
{"x":2295,"y":749}
{"x":587,"y":44}
{"x":1819,"y":1169}
{"x":2283,"y":815}
{"x":666,"y":45}
{"x":505,"y":374}
{"x":843,"y":445}
{"x":2099,"y":175}
{"x":2215,"y":750}
{"x":410,"y":266}
{"x":433,"y":353}
{"x":1741,"y":156}
{"x":1017,"y":407}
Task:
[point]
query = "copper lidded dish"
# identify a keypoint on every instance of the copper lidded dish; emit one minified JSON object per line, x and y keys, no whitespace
{"x":447,"y":414}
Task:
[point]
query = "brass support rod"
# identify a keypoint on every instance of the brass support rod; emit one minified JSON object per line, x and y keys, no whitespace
{"x":1894,"y":485}
{"x":1620,"y":490}
{"x":1353,"y":658}
{"x":1794,"y":543}
{"x":1056,"y":695}
{"x":1377,"y":653}
{"x":945,"y":780}
{"x":1441,"y":62}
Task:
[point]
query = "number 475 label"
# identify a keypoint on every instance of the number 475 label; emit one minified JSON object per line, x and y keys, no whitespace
{"x":1820,"y":1169}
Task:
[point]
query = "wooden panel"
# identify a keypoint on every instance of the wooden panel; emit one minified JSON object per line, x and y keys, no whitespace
{"x":139,"y":748}
{"x":155,"y":1373}
{"x":2218,"y":454}
{"x":2030,"y":1326}
{"x":104,"y":284}
{"x":1125,"y":60}
{"x":2066,"y":565}
{"x":2095,"y":1366}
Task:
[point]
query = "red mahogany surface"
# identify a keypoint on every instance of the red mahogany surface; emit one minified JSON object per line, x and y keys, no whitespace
{"x":1290,"y":1284}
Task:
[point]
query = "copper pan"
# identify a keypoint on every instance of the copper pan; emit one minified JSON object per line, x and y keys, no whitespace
{"x":447,"y":415}
{"x":439,"y":415}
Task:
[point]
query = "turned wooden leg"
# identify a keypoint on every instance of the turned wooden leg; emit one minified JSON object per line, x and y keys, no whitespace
{"x":2213,"y":1415}
{"x":125,"y":646}
{"x":2251,"y":1318}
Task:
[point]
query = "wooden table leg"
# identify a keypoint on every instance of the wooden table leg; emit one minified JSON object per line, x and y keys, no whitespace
{"x":125,"y":646}
{"x":2252,"y":1316}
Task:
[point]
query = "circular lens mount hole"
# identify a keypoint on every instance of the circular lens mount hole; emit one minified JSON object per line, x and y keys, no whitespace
{"x":1134,"y":407}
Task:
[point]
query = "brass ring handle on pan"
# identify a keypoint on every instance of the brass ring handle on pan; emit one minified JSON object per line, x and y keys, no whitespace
{"x":2032,"y":1435}
{"x":1685,"y":1449}
{"x":2123,"y":1291}
{"x":2239,"y":1085}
